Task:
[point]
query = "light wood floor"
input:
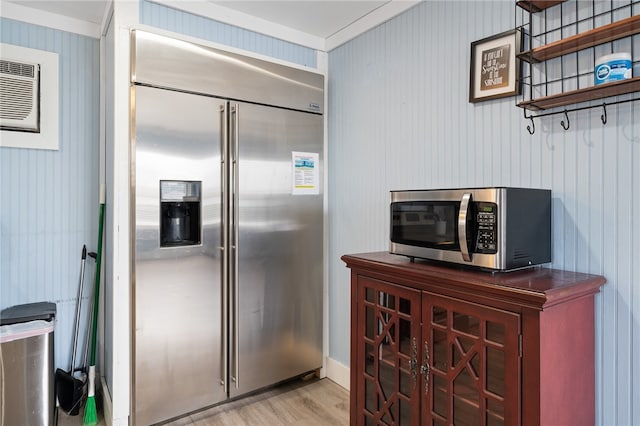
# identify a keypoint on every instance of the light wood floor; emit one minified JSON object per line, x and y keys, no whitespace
{"x":314,"y":402}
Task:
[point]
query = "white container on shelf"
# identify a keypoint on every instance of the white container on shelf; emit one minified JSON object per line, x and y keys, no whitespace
{"x":613,"y":67}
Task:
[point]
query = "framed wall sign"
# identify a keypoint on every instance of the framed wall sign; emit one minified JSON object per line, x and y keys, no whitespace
{"x":495,"y":70}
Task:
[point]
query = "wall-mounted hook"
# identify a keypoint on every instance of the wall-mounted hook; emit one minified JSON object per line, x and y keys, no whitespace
{"x":565,"y":126}
{"x":603,"y":117}
{"x":530,"y":128}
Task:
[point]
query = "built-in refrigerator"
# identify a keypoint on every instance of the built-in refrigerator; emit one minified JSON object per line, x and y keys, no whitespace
{"x":227,"y":200}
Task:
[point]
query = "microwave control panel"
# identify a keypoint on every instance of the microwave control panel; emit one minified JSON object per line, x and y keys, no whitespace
{"x":486,"y":228}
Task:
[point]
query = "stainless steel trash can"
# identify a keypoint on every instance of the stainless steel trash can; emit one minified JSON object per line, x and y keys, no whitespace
{"x":26,"y":364}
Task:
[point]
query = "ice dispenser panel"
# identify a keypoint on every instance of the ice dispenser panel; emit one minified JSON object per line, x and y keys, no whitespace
{"x":180,"y":223}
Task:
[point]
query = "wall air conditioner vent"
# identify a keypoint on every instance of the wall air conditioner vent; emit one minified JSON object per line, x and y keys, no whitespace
{"x":19,"y":96}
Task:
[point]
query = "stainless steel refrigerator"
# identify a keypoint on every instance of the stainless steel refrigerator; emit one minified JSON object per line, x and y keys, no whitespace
{"x":226,"y":173}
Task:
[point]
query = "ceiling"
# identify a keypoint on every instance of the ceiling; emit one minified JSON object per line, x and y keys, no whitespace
{"x":84,"y":10}
{"x":321,"y":18}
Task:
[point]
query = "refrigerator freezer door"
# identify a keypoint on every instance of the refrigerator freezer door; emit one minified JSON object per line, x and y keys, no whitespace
{"x":277,"y":298}
{"x":178,"y":347}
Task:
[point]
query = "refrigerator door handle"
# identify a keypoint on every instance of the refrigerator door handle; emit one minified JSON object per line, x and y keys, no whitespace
{"x":235,"y":118}
{"x":224,"y":253}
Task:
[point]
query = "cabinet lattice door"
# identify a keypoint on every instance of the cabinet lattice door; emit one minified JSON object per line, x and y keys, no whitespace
{"x":472,"y":354}
{"x":388,"y":337}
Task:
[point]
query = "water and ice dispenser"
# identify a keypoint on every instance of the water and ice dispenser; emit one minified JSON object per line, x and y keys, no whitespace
{"x":180,"y":219}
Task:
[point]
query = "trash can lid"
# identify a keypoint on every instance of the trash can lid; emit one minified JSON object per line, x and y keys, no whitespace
{"x":28,"y":312}
{"x":24,"y":330}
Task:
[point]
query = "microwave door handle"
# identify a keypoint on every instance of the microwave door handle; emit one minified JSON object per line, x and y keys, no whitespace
{"x":465,"y":203}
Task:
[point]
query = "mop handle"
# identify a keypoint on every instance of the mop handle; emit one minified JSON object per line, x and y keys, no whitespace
{"x":85,"y":356}
{"x":78,"y":304}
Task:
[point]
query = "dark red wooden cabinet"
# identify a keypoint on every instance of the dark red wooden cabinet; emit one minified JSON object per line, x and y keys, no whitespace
{"x":438,"y":345}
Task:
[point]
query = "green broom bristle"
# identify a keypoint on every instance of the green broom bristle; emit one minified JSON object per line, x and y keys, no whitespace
{"x":90,"y":413}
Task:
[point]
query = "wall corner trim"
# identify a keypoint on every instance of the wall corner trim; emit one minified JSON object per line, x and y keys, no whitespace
{"x":338,"y":373}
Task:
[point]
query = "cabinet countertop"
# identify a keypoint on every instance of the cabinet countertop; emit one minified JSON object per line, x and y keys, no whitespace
{"x":538,"y":287}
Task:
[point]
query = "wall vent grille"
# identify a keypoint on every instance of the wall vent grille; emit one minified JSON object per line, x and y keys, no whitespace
{"x":19,"y":96}
{"x":16,"y":68}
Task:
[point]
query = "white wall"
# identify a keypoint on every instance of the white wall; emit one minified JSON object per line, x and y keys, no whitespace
{"x":399,"y":118}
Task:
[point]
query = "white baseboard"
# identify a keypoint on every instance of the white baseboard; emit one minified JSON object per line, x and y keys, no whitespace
{"x":107,"y":407}
{"x":106,"y":402}
{"x":338,"y":372}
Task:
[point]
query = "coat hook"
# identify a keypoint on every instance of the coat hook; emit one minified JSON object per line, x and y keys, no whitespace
{"x":603,"y":117}
{"x":530,"y":128}
{"x":565,"y":126}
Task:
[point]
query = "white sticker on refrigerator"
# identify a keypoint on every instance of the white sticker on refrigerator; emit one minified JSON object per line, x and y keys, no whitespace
{"x":305,"y":173}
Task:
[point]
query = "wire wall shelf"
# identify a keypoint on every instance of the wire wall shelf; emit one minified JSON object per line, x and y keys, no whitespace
{"x":561,"y":40}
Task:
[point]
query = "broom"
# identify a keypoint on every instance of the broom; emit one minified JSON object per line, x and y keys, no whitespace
{"x":90,"y":412}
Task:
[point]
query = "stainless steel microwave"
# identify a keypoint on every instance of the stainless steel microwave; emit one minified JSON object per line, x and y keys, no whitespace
{"x":494,"y":228}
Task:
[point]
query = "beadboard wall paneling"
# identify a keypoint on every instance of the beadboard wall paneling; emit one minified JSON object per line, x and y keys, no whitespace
{"x":181,"y":22}
{"x":48,"y":200}
{"x":399,"y":118}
